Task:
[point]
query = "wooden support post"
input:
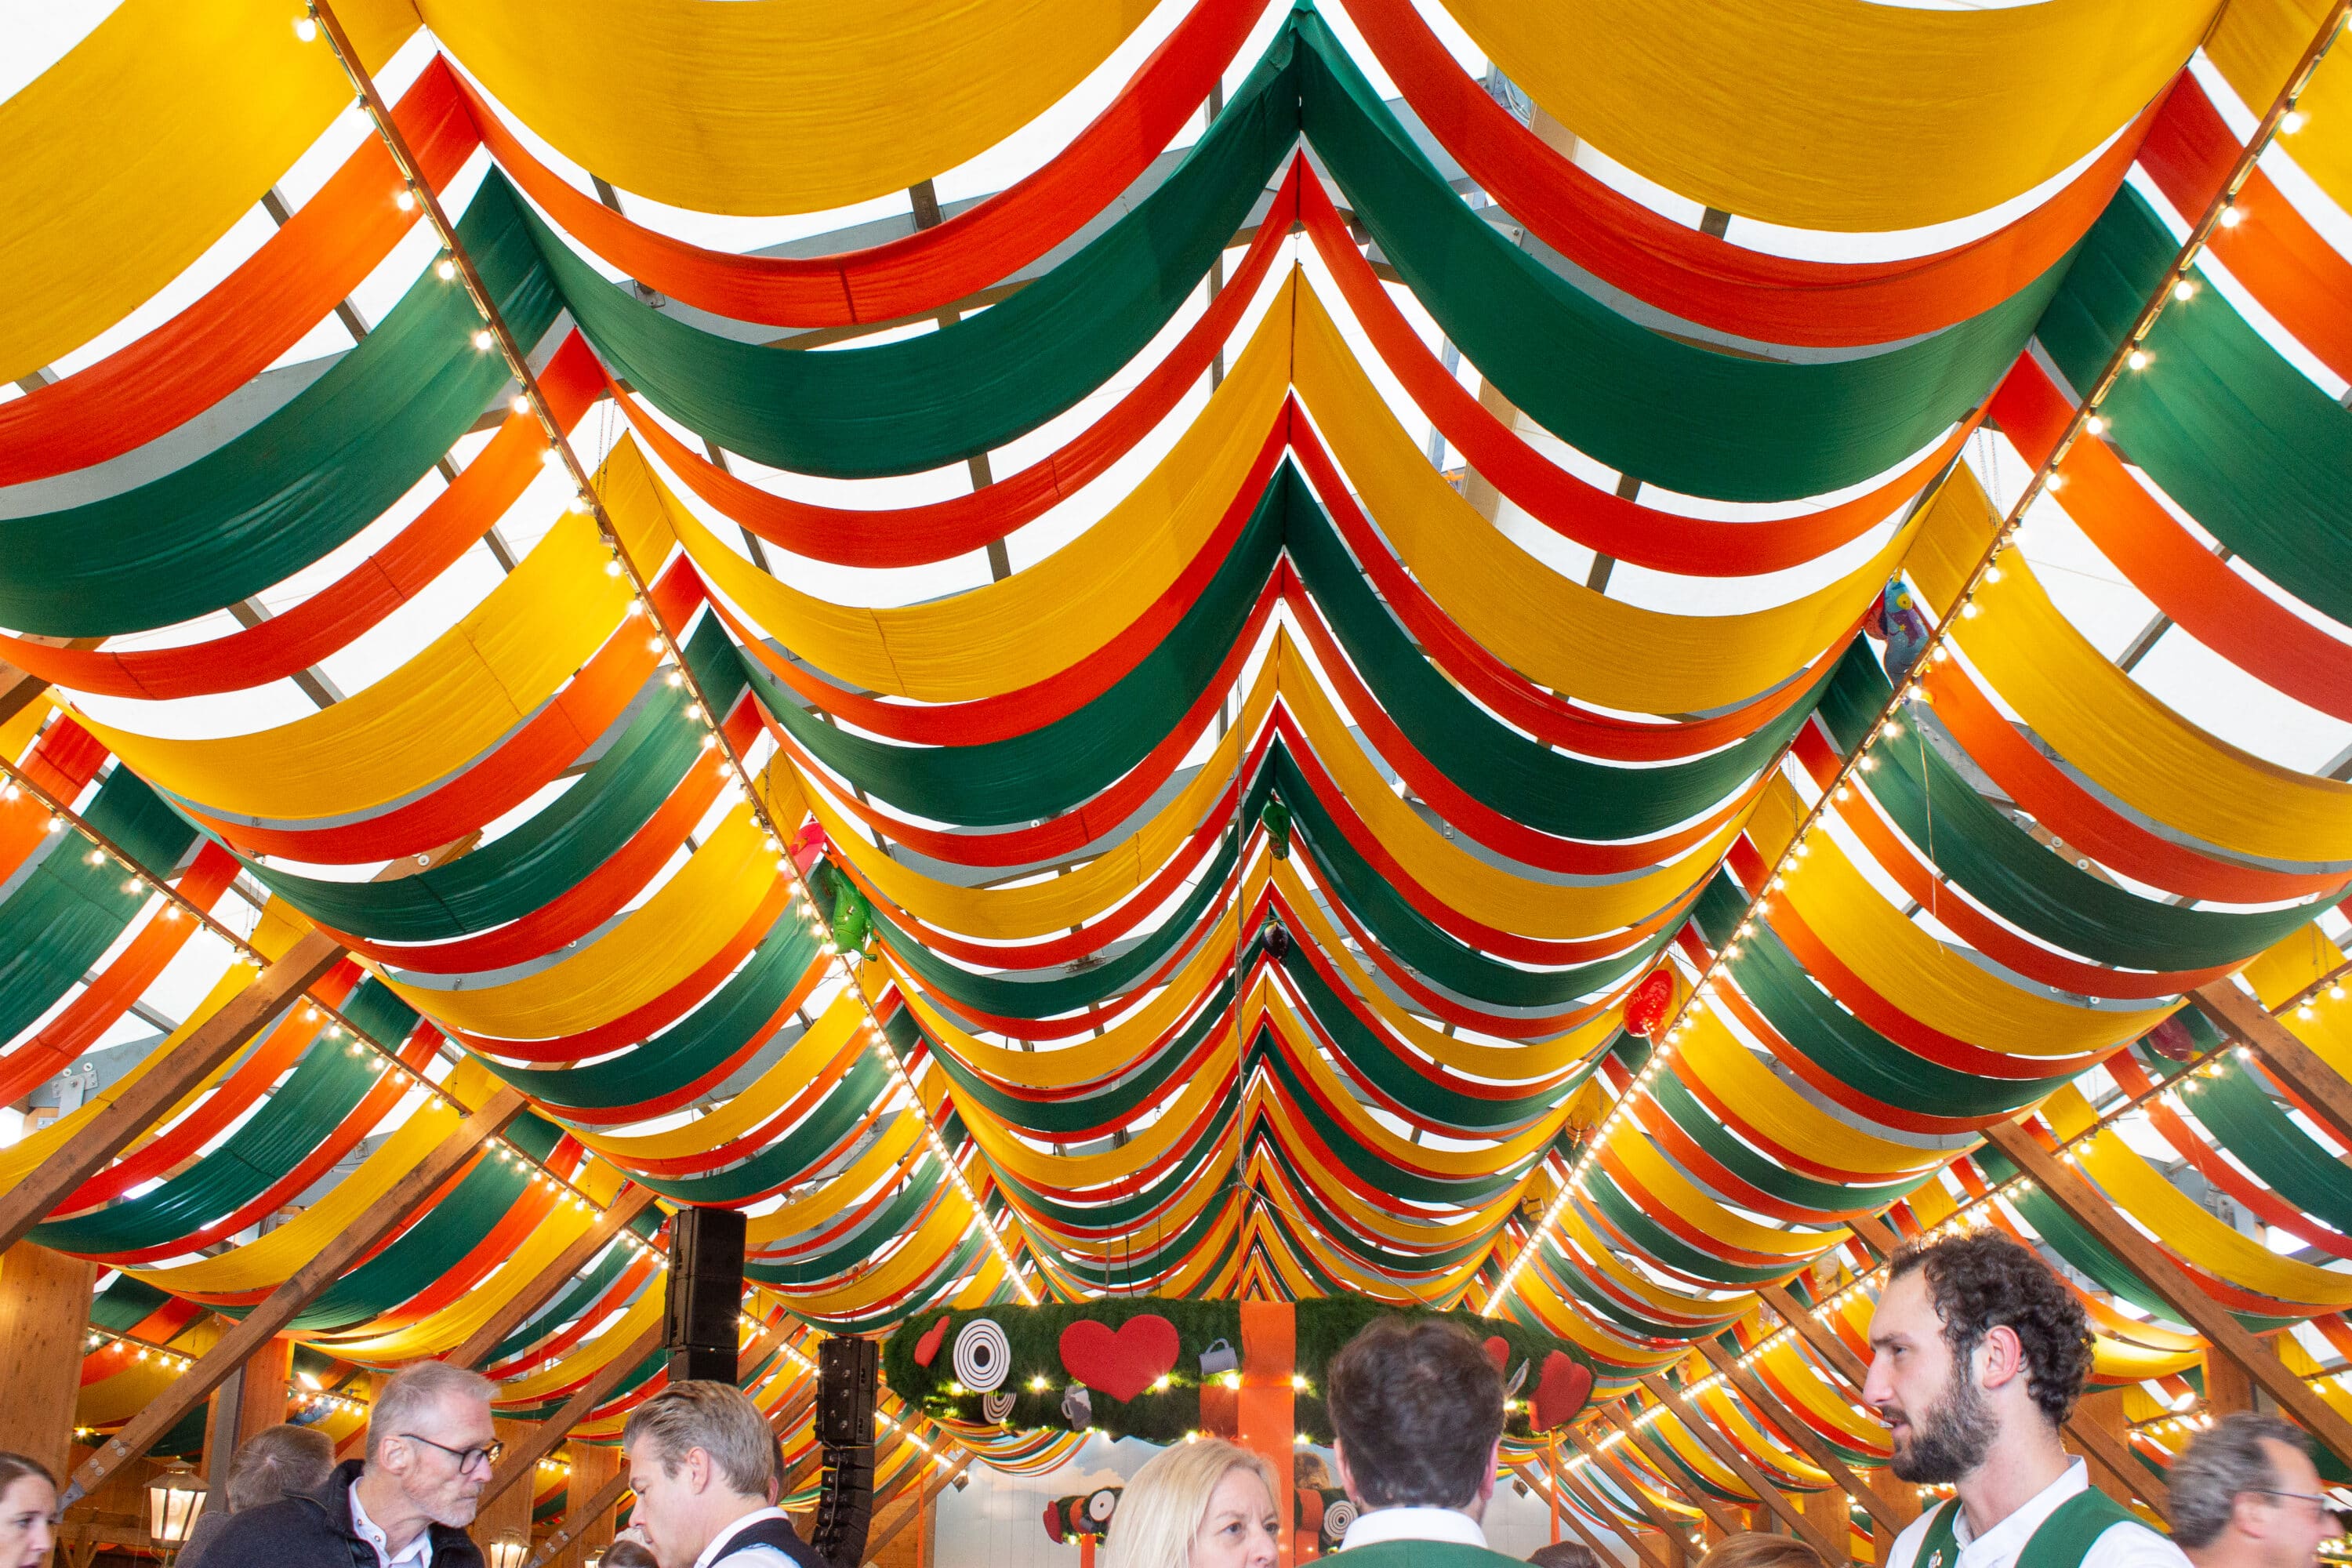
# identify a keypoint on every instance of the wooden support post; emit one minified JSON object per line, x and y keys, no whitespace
{"x":2171,"y":1282}
{"x":1833,"y":1515}
{"x":2227,"y":1389}
{"x":1792,"y":1425}
{"x":594,"y":1467}
{"x":43,"y":1304}
{"x":2246,"y":1021}
{"x":507,"y":1514}
{"x":629,"y":1202}
{"x":1739,"y":1464}
{"x":373,"y":1224}
{"x":521,"y":1458}
{"x":1716,"y":1514}
{"x":252,"y":1398}
{"x":141,"y":1103}
{"x":583,"y":1518}
{"x":2099,"y":1429}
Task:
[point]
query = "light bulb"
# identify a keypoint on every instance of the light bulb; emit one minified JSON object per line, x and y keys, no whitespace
{"x":2184,"y":290}
{"x":2138,"y":359}
{"x":404,"y":199}
{"x":2293,"y":121}
{"x":444,"y":269}
{"x":483,"y":341}
{"x":2231,"y":217}
{"x":520,"y":403}
{"x":305,"y":28}
{"x":2096,"y":425}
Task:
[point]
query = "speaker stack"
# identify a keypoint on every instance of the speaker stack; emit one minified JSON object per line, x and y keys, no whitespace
{"x":848,"y":1379}
{"x":706,"y":1294}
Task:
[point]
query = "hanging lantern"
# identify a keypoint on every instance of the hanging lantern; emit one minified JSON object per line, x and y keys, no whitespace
{"x":1647,"y":1005}
{"x":509,"y":1549}
{"x":175,"y":1498}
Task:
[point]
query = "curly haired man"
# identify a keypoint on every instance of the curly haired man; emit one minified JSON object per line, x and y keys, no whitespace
{"x":1978,"y":1353}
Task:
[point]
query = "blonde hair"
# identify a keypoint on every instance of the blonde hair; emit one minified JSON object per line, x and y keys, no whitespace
{"x":1755,"y":1549}
{"x":1162,"y":1509}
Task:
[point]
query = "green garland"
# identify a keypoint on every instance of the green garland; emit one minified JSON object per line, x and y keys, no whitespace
{"x":1037,"y":1380}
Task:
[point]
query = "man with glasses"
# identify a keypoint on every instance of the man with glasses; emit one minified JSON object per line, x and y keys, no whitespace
{"x":2246,"y":1494}
{"x":430,"y":1450}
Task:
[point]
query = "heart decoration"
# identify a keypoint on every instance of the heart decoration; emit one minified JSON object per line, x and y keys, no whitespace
{"x":927,"y":1349}
{"x":1121,"y":1362}
{"x":1562,"y":1391}
{"x":1498,"y":1351}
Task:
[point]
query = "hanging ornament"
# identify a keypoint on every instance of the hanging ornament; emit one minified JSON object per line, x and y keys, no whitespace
{"x":1276,"y":818}
{"x":1077,"y":1407}
{"x":1650,"y":1003}
{"x":1100,"y":1505}
{"x":983,"y":1358}
{"x":2171,"y":1040}
{"x":1338,"y":1515}
{"x":1896,"y":621}
{"x":1277,"y":940}
{"x":1124,"y":1361}
{"x":807,"y":844}
{"x":1566,"y":1384}
{"x":996,"y":1408}
{"x":927,"y":1349}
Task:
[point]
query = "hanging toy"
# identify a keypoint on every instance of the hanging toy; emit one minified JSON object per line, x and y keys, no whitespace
{"x":1896,"y":620}
{"x":1650,"y":1002}
{"x":1275,"y":940}
{"x":1276,"y":818}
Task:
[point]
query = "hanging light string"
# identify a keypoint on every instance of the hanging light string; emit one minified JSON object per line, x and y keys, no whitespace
{"x":2130,"y":357}
{"x":455,"y":266}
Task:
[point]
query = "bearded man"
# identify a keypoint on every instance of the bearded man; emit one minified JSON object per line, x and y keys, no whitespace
{"x":1978,"y":1353}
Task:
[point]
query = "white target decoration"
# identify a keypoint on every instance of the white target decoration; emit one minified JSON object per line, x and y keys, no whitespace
{"x":983,"y":1358}
{"x":1102,"y":1504}
{"x":1336,"y":1518}
{"x":996,"y":1408}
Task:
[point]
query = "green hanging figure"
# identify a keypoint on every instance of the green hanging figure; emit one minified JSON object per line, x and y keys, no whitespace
{"x":851,"y":917}
{"x":1276,"y":818}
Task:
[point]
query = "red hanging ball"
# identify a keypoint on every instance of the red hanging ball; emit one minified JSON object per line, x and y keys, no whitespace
{"x":1647,"y":1006}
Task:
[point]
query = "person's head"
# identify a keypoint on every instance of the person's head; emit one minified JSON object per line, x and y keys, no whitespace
{"x":628,"y":1555}
{"x":2246,"y":1494}
{"x":277,"y":1460}
{"x":28,"y":1507}
{"x":1565,"y":1554}
{"x":1974,"y":1341}
{"x":1204,"y":1504}
{"x":1308,"y":1469}
{"x":1418,"y":1410}
{"x":699,"y":1455}
{"x":430,"y":1436}
{"x":1755,"y":1549}
{"x":775,"y":1467}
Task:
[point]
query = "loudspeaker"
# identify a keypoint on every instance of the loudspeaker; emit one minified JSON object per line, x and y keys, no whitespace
{"x":848,"y":1379}
{"x":844,"y":1506}
{"x":706,"y":1294}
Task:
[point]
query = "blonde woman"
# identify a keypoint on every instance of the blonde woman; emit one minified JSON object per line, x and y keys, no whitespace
{"x":1204,"y":1504}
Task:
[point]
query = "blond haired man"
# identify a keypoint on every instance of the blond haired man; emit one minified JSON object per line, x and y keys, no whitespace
{"x":702,"y":1462}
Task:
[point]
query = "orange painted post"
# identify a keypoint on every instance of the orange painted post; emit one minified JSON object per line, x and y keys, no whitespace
{"x":1268,"y":1404}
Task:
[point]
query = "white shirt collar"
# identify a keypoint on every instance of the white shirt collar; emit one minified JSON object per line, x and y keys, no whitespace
{"x":419,"y":1552}
{"x":2004,"y":1541}
{"x":1413,"y":1524}
{"x":718,"y":1541}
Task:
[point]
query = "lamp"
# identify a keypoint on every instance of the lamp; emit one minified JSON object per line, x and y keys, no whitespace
{"x":509,"y":1549}
{"x":175,"y":1498}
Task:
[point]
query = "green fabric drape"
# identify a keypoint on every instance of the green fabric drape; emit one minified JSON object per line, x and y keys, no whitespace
{"x":1677,"y":415}
{"x":2004,"y":867}
{"x":1768,"y":1176}
{"x":2219,"y":419}
{"x":276,"y":498}
{"x":65,"y":912}
{"x":551,"y":851}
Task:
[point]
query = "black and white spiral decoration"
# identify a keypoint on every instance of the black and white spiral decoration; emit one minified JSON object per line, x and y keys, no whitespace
{"x":1337,"y":1517}
{"x":1102,"y":1504}
{"x":996,"y":1408}
{"x":983,"y":1358}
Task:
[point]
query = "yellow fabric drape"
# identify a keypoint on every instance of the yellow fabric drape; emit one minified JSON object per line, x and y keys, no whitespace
{"x":1579,"y":1239}
{"x":987,"y":641}
{"x":1073,"y":1173}
{"x":267,"y":1262}
{"x":1427,"y":1233}
{"x":1658,"y":1181}
{"x":2289,"y":967}
{"x":426,"y":720}
{"x":1477,"y":888}
{"x":1737,"y":1076}
{"x":1553,"y":629}
{"x":2256,"y":44}
{"x":1840,"y":115}
{"x":777,"y":106}
{"x":1517,"y":1061}
{"x":121,"y":163}
{"x":654,"y":947}
{"x":892,"y":1144}
{"x":934,"y":1241}
{"x":1047,"y":908}
{"x":2107,"y":724}
{"x":1913,"y":970}
{"x":438,"y":1332}
{"x":805,"y":1061}
{"x":643,"y":1313}
{"x":1793,"y":1375}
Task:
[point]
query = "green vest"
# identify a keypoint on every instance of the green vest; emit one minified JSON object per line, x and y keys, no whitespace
{"x":1423,"y":1555}
{"x":2062,"y":1541}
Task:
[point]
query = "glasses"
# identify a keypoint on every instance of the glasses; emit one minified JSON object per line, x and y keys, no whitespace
{"x":2318,"y":1500}
{"x":467,"y":1458}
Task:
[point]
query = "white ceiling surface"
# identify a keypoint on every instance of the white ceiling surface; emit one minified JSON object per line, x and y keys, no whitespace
{"x":2087,"y":588}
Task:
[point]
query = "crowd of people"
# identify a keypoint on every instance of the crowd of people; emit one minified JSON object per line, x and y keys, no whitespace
{"x":1979,"y":1355}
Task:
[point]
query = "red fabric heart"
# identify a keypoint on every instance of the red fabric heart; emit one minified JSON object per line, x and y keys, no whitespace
{"x":1498,"y":1351}
{"x":1567,"y":1383}
{"x":927,"y":1347}
{"x":1121,"y":1363}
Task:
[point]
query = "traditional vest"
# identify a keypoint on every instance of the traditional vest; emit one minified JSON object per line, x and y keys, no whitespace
{"x":778,"y":1533}
{"x":2062,"y":1539}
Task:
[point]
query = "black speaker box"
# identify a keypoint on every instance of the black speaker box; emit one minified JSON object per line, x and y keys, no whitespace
{"x":705,"y":1302}
{"x":844,"y":1506}
{"x":848,"y":1381}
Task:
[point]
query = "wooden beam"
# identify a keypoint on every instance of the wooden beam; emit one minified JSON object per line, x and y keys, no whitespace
{"x":232,"y":1350}
{"x":627,"y":1205}
{"x":1723,"y":1448}
{"x":1666,"y":1468}
{"x":1792,"y":1425}
{"x":2246,"y":1021}
{"x":557,"y":1429}
{"x":581,"y":1518}
{"x":141,"y":1103}
{"x":1626,"y":1478}
{"x":910,"y":1508}
{"x":1598,"y":1510}
{"x":2171,"y":1282}
{"x":44,"y":1302}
